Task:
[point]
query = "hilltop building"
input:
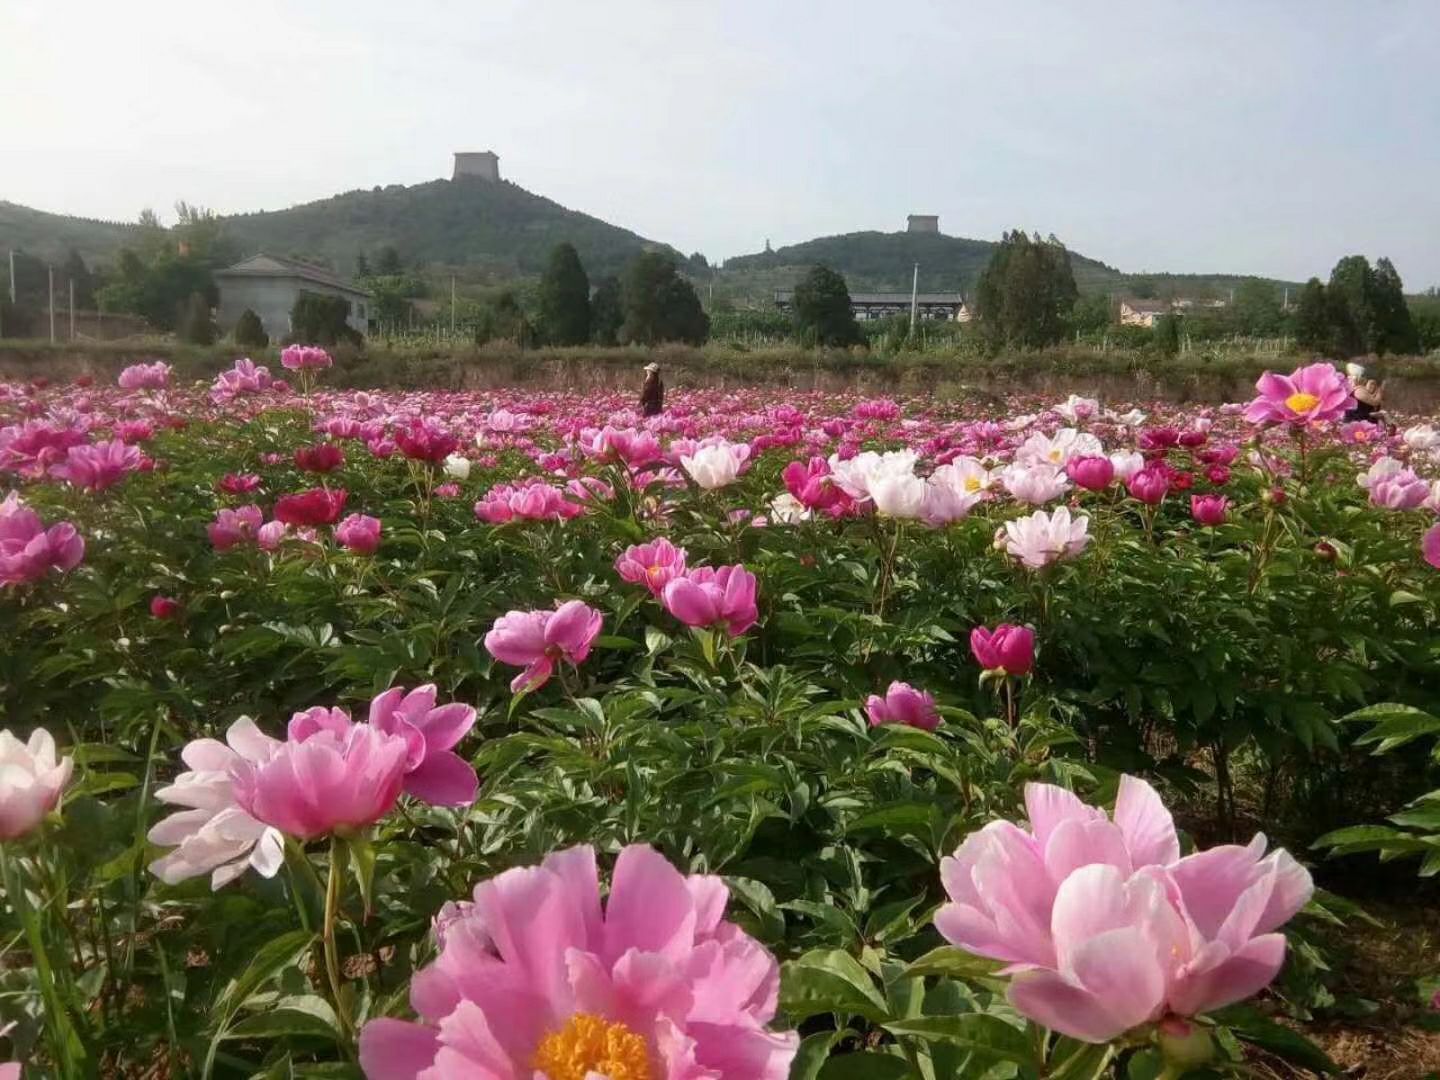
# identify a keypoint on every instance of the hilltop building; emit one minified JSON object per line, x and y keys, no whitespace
{"x":923,"y":223}
{"x":866,"y":306}
{"x":1134,"y":312}
{"x":269,"y":286}
{"x":482,"y":165}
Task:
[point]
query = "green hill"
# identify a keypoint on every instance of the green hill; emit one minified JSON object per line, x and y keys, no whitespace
{"x":498,"y":230}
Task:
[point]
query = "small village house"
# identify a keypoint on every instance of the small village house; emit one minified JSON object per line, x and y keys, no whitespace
{"x":269,"y":286}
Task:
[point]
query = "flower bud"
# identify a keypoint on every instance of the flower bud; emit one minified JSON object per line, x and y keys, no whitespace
{"x":1184,"y":1043}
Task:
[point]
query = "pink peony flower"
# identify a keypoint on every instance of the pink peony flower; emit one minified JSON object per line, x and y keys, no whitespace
{"x":31,"y":781}
{"x":1209,"y":510}
{"x":1104,"y":926}
{"x":1149,"y":485}
{"x":323,"y":457}
{"x":1044,"y":538}
{"x":653,"y":565}
{"x":237,"y":483}
{"x":1091,"y":473}
{"x":538,"y":640}
{"x":271,"y":535}
{"x":164,"y":607}
{"x":1306,"y":396}
{"x":244,"y":378}
{"x":811,"y":483}
{"x":318,"y":506}
{"x":1008,"y":649}
{"x":903,"y":704}
{"x":28,"y":549}
{"x":360,"y":533}
{"x":425,"y":440}
{"x":214,"y":835}
{"x":1400,"y":490}
{"x":236,"y":526}
{"x":434,"y":773}
{"x":331,"y":776}
{"x":706,"y":596}
{"x":538,"y":978}
{"x":304,"y":358}
{"x":1430,"y":546}
{"x":98,"y":466}
{"x":145,"y":376}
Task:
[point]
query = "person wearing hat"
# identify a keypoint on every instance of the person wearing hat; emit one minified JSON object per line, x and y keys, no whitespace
{"x":652,"y":393}
{"x":1369,"y":397}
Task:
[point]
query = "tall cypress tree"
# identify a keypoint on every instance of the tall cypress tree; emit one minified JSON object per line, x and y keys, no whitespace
{"x":1026,"y":292}
{"x":565,"y":299}
{"x":1350,"y":298}
{"x":1394,"y":331}
{"x":1312,"y":318}
{"x":822,"y":309}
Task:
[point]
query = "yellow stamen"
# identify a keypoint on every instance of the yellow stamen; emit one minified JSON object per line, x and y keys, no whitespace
{"x":972,"y":483}
{"x":1301,"y":402}
{"x":590,"y":1044}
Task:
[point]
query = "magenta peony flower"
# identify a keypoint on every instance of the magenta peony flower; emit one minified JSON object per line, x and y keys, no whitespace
{"x":1008,"y":649}
{"x":1104,"y":926}
{"x":331,"y":776}
{"x":318,"y":506}
{"x":28,"y":549}
{"x":98,"y":466}
{"x":1209,"y":510}
{"x":237,"y":483}
{"x":1306,"y":396}
{"x":214,"y":835}
{"x":538,"y":640}
{"x":31,"y":781}
{"x":1091,"y":473}
{"x":244,"y":378}
{"x":538,"y":978}
{"x":323,"y":457}
{"x":811,"y":483}
{"x":1429,"y":546}
{"x":434,"y":773}
{"x":653,"y":565}
{"x":425,"y":440}
{"x":145,"y":376}
{"x":1149,"y":485}
{"x":236,"y":526}
{"x":164,"y":607}
{"x":903,"y":704}
{"x":304,"y":358}
{"x":360,"y":533}
{"x":711,"y":597}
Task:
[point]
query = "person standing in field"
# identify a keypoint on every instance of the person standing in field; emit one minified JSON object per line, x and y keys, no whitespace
{"x":652,"y":393}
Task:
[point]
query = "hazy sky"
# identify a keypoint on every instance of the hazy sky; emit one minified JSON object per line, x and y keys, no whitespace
{"x":1255,"y":135}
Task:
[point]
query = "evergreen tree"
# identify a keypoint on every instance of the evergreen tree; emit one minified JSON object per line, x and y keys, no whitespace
{"x":1025,"y":295}
{"x":389,"y":262}
{"x":320,"y":320}
{"x":822,"y":309}
{"x":250,"y":331}
{"x":1350,"y":298}
{"x":1394,"y":330}
{"x":362,"y":266}
{"x":1256,"y":308}
{"x":194,"y":325}
{"x":1312,"y":318}
{"x":658,"y":304}
{"x":606,"y":312}
{"x":1166,"y":334}
{"x":565,"y":299}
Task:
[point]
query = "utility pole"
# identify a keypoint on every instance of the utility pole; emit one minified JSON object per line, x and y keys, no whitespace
{"x":51,"y":269}
{"x":452,"y":305}
{"x":914,"y":296}
{"x":12,"y":275}
{"x":72,"y":309}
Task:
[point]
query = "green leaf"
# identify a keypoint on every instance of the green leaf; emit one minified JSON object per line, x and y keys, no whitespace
{"x":829,"y":981}
{"x":1249,"y":1025}
{"x":274,"y":955}
{"x":306,"y":1014}
{"x":866,"y":1066}
{"x":814,"y":1051}
{"x":362,"y":860}
{"x":979,"y":1033}
{"x":953,"y":963}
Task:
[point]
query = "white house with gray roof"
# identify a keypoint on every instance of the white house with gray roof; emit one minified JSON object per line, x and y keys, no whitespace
{"x":269,"y":286}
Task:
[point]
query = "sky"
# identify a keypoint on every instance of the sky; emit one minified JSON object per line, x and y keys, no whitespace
{"x":1249,"y":136}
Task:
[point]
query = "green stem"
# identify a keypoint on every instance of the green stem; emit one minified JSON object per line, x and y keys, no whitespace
{"x":332,"y":954}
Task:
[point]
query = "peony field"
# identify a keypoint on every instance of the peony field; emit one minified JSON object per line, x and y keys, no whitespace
{"x":514,"y":735}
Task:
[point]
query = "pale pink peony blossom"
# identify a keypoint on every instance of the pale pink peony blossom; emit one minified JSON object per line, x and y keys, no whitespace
{"x":434,"y":773}
{"x":145,"y":376}
{"x":32,"y":780}
{"x":538,"y":640}
{"x":539,"y":978}
{"x":98,"y":466}
{"x":1044,"y":538}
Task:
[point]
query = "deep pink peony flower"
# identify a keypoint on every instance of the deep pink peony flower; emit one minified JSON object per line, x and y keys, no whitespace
{"x":538,"y":978}
{"x":1430,"y":546}
{"x":1104,"y":926}
{"x":28,"y":550}
{"x":1149,"y":485}
{"x":434,"y":773}
{"x":1091,"y":473}
{"x":98,"y":466}
{"x":1306,"y":396}
{"x":237,"y":483}
{"x":653,"y":565}
{"x":1008,"y":649}
{"x":164,"y":607}
{"x":538,"y":640}
{"x":425,"y":440}
{"x":812,"y":484}
{"x":304,"y":358}
{"x":323,"y":457}
{"x":711,"y":597}
{"x":330,"y":776}
{"x":903,"y":704}
{"x":360,"y":533}
{"x":236,"y":526}
{"x":1209,"y":510}
{"x":318,"y":506}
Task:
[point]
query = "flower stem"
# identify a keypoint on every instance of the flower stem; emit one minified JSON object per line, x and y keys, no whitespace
{"x":332,"y":955}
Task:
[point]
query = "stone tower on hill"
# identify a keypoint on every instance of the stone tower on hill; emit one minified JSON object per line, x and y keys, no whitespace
{"x":484,"y":165}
